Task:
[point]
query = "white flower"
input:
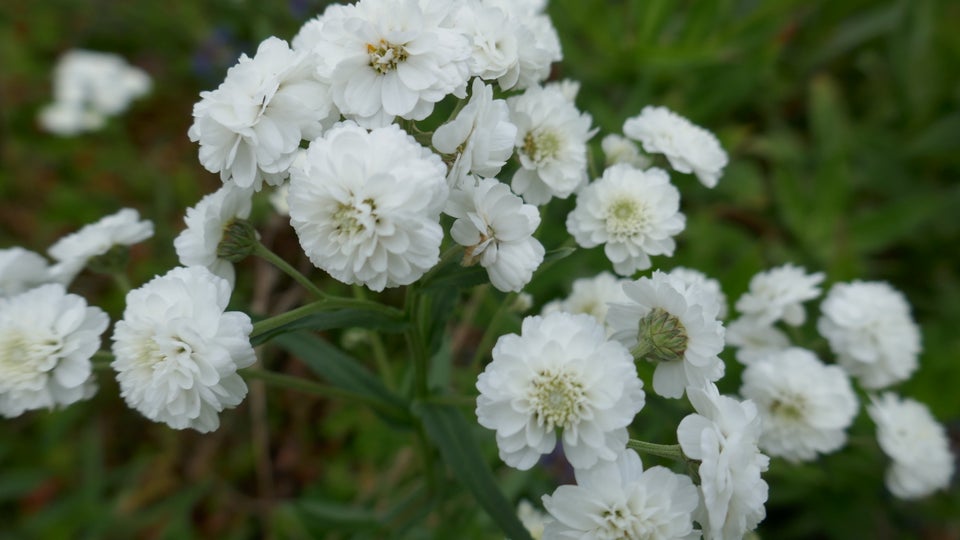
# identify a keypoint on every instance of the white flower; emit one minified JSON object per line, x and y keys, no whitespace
{"x":496,"y":42}
{"x":177,"y":351}
{"x":278,"y":199}
{"x":533,"y":520}
{"x":551,"y":143}
{"x":805,"y":406}
{"x":251,"y":126}
{"x":917,"y":443}
{"x":569,"y":88}
{"x":496,"y":228}
{"x":366,"y":205}
{"x":197,"y":244}
{"x":538,"y":45}
{"x":619,"y":149}
{"x":88,"y":87}
{"x":669,"y":323}
{"x":633,"y":213}
{"x":591,"y":296}
{"x":620,"y":500}
{"x":689,"y":148}
{"x":778,"y":294}
{"x":46,"y":340}
{"x":560,"y":373}
{"x":20,"y":270}
{"x":709,"y":286}
{"x":755,"y":342}
{"x":870,"y":329}
{"x":723,"y":436}
{"x":122,"y":228}
{"x":481,"y":136}
{"x":389,"y":58}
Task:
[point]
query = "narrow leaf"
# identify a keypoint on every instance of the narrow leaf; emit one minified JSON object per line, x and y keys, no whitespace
{"x":328,"y":320}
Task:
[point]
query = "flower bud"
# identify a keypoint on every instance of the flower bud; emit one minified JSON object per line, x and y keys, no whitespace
{"x":238,"y":242}
{"x":661,"y":337}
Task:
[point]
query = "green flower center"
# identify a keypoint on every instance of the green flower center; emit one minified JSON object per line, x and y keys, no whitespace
{"x":541,"y":144}
{"x":557,"y":399}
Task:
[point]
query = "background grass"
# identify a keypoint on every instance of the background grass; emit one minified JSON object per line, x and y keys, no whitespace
{"x":843,"y":127}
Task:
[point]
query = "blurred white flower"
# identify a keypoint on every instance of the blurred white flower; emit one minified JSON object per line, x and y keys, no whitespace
{"x":20,"y":270}
{"x":723,"y":436}
{"x":533,"y":519}
{"x":551,"y":143}
{"x":496,"y":228}
{"x":366,"y":205}
{"x":917,"y":444}
{"x":251,"y":126}
{"x":569,"y":88}
{"x":672,"y":325}
{"x":870,"y":329}
{"x":805,"y":406}
{"x":620,"y":500}
{"x":537,"y":40}
{"x":754,"y":341}
{"x":89,"y":87}
{"x":778,"y":294}
{"x":197,"y":244}
{"x":47,"y":338}
{"x":633,"y":213}
{"x":495,"y":42}
{"x":278,"y":199}
{"x":591,"y":296}
{"x":73,"y":251}
{"x":560,"y":373}
{"x":177,"y":350}
{"x":481,"y":136}
{"x":688,"y":147}
{"x":619,"y":149}
{"x":708,"y":285}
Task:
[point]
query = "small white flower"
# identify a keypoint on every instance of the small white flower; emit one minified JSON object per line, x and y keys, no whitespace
{"x":366,"y":205}
{"x":560,"y":373}
{"x":778,"y":294}
{"x":177,"y":350}
{"x":917,"y":444}
{"x":495,"y":38}
{"x":592,"y":296}
{"x":551,"y":143}
{"x":481,"y":136}
{"x":620,"y":500}
{"x":870,"y":329}
{"x":688,"y":147}
{"x":20,"y":270}
{"x":805,"y":406}
{"x":197,"y":244}
{"x":251,"y":126}
{"x":633,"y":213}
{"x":47,"y":338}
{"x":538,"y":45}
{"x":669,"y":323}
{"x":533,"y":520}
{"x":123,"y":228}
{"x":569,"y":88}
{"x":496,"y":228}
{"x":709,"y":286}
{"x":723,"y":436}
{"x":619,"y":149}
{"x":755,"y":341}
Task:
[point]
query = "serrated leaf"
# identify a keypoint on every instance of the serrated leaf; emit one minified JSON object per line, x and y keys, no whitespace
{"x":448,"y":429}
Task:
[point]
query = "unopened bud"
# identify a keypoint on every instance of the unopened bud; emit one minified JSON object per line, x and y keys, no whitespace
{"x":661,"y":337}
{"x":239,"y":241}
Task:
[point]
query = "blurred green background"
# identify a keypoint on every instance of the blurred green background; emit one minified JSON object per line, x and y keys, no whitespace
{"x":842,"y":121}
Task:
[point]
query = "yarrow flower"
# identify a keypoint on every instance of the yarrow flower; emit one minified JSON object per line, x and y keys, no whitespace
{"x":754,"y":342}
{"x":178,"y":351}
{"x":560,"y":373}
{"x":592,"y":296}
{"x":778,"y":294}
{"x":633,"y":213}
{"x":551,"y":143}
{"x":21,"y":270}
{"x":674,"y":326}
{"x":123,"y":228}
{"x":496,"y":228}
{"x":481,"y":136}
{"x":619,"y":149}
{"x":805,"y":406}
{"x":621,"y":500}
{"x":89,"y":87}
{"x":688,"y":147}
{"x":870,"y":329}
{"x":197,"y":244}
{"x":538,"y":45}
{"x":917,"y":443}
{"x":251,"y":126}
{"x":47,"y":338}
{"x":723,"y":436}
{"x":366,"y":205}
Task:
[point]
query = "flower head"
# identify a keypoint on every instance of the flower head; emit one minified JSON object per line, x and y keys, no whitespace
{"x":366,"y":205}
{"x":560,"y":373}
{"x":778,"y":294}
{"x":122,"y":229}
{"x":917,"y":443}
{"x":619,"y":149}
{"x":206,"y":222}
{"x":592,"y":296}
{"x":688,"y":147}
{"x":633,"y":213}
{"x":708,"y":285}
{"x":754,"y":341}
{"x":20,"y":270}
{"x":46,"y":340}
{"x":177,"y":350}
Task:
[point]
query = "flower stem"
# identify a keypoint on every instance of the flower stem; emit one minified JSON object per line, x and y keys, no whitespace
{"x":414,"y":335}
{"x":670,"y":451}
{"x":101,"y":360}
{"x":122,"y":281}
{"x":265,"y":253}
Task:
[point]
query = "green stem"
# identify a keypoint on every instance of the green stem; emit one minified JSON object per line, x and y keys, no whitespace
{"x":264,"y":252}
{"x":490,"y":333}
{"x":376,"y":343}
{"x":451,"y":253}
{"x":670,"y":451}
{"x":291,"y":382}
{"x":122,"y":281}
{"x":414,"y":334}
{"x":329,"y":303}
{"x":101,"y":360}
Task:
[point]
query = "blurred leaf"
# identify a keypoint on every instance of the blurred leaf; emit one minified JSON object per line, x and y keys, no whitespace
{"x":328,"y":320}
{"x":325,"y":514}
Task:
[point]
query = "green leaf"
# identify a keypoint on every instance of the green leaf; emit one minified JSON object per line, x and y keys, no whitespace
{"x":325,"y":514}
{"x":457,"y":277}
{"x":557,"y":254}
{"x":328,"y":320}
{"x":344,"y":371}
{"x":449,"y":430}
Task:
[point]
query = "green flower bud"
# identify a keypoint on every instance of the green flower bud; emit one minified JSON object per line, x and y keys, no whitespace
{"x":239,"y":241}
{"x":661,"y":337}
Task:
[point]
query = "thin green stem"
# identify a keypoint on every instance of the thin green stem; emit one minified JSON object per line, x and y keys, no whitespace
{"x":291,"y":382}
{"x":122,"y":281}
{"x":101,"y":360}
{"x":670,"y":451}
{"x":264,"y":252}
{"x":490,"y":333}
{"x":414,"y":334}
{"x":376,"y":343}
